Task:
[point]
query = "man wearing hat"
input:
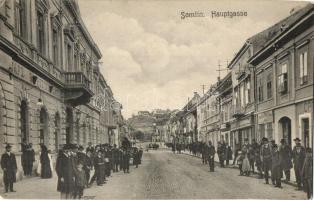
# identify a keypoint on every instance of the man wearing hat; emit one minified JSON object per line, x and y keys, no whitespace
{"x":9,"y":167}
{"x":298,"y":155}
{"x":266,"y":154}
{"x":285,"y":152}
{"x":65,"y":172}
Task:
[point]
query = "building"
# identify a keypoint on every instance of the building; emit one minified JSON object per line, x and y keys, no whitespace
{"x":224,"y":90}
{"x":284,"y":80}
{"x":190,"y":119}
{"x":145,"y":122}
{"x":209,"y":117}
{"x":51,"y":88}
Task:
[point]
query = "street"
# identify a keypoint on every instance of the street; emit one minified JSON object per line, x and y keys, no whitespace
{"x":164,"y":175}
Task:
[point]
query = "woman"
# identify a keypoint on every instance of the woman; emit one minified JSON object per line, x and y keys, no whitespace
{"x":45,"y":163}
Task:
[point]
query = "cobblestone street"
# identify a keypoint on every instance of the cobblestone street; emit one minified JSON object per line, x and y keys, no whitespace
{"x":164,"y":175}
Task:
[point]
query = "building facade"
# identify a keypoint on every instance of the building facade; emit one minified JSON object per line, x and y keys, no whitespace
{"x":284,"y":77}
{"x":51,"y":88}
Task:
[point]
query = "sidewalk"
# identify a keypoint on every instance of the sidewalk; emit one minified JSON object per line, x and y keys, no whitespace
{"x":292,"y":181}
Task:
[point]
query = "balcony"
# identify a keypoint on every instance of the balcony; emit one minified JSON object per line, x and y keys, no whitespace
{"x":238,"y":112}
{"x":77,"y":88}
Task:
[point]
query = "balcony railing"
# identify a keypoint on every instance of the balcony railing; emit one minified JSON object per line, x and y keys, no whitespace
{"x":76,"y":79}
{"x":238,"y":111}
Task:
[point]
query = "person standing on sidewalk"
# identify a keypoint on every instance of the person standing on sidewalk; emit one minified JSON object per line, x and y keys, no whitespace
{"x":211,"y":156}
{"x":266,"y":153}
{"x":228,"y":154}
{"x":285,"y":152}
{"x":45,"y":163}
{"x":276,"y":167}
{"x":221,"y":150}
{"x":307,"y":173}
{"x":65,"y":171}
{"x":9,"y":167}
{"x":298,"y":155}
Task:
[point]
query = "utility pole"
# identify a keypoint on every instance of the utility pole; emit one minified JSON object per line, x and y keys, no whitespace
{"x":203,"y":88}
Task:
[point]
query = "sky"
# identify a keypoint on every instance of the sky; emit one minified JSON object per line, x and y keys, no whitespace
{"x":152,"y":58}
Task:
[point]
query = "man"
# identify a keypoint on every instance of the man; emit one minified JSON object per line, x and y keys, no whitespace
{"x":211,"y":157}
{"x":136,"y":157}
{"x":307,"y":173}
{"x":65,"y":172}
{"x":115,"y":158}
{"x":140,"y":154}
{"x":90,"y":148}
{"x":266,"y":155}
{"x":88,"y":166}
{"x":107,"y":159}
{"x":221,"y":150}
{"x":285,"y":152}
{"x":126,"y":161}
{"x":276,"y":167}
{"x":228,"y":154}
{"x":9,"y":167}
{"x":298,"y":154}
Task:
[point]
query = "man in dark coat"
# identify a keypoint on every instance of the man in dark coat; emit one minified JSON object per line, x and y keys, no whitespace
{"x":307,"y":173}
{"x":285,"y":152}
{"x":228,"y":154}
{"x":221,"y":150}
{"x":140,"y":151}
{"x":9,"y":167}
{"x":65,"y":167}
{"x":266,"y":155}
{"x":136,"y":157}
{"x":107,"y":158}
{"x":298,"y":154}
{"x":276,"y":167}
{"x":126,"y":161}
{"x":211,"y":156}
{"x":88,"y":166}
{"x":115,"y":158}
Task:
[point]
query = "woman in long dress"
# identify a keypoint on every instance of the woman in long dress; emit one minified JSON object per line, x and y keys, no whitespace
{"x":45,"y":163}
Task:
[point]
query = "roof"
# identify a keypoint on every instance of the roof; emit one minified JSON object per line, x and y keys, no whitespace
{"x":263,"y":38}
{"x":285,"y":26}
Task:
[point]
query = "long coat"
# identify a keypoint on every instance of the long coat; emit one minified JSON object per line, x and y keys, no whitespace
{"x":65,"y":170}
{"x":45,"y":165}
{"x":9,"y":167}
{"x":276,"y":165}
{"x":298,"y":157}
{"x":285,"y":152}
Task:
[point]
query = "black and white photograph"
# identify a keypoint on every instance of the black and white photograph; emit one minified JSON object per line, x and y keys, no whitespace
{"x":156,"y":99}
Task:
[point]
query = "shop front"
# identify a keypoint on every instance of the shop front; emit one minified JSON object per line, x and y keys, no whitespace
{"x":241,"y":129}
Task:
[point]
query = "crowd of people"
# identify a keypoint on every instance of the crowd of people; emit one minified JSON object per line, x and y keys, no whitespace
{"x":269,"y":160}
{"x":74,"y":165}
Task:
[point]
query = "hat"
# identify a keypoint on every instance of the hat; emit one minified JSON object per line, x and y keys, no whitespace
{"x":297,"y":139}
{"x":275,"y":146}
{"x":66,"y":147}
{"x":265,"y":139}
{"x":81,"y":147}
{"x":8,"y":146}
{"x":282,"y":141}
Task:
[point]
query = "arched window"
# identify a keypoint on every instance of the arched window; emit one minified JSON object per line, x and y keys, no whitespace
{"x":24,"y":121}
{"x":57,"y":131}
{"x":69,"y":125}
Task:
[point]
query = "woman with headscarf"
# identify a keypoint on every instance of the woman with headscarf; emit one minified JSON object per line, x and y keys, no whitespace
{"x":45,"y":163}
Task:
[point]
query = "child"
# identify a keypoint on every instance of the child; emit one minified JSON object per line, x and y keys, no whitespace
{"x":239,"y":161}
{"x":80,"y":181}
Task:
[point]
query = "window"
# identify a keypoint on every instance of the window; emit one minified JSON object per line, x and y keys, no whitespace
{"x":269,"y":131}
{"x":247,"y":91}
{"x":269,"y":86}
{"x":303,"y":68}
{"x":55,"y":46}
{"x":260,"y":91}
{"x":69,"y":57}
{"x":242,"y":95}
{"x":20,"y":18}
{"x":40,"y":33}
{"x":261,"y":128}
{"x":24,"y":121}
{"x":283,"y":79}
